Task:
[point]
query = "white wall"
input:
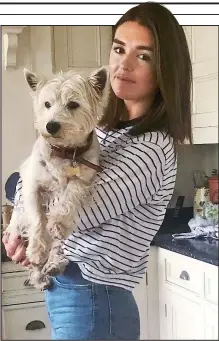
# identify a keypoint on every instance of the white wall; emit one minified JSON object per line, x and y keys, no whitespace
{"x":203,"y":157}
{"x":17,"y":117}
{"x":18,"y":134}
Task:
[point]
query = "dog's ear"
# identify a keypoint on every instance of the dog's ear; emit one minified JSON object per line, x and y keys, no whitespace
{"x":98,"y":78}
{"x":31,"y":78}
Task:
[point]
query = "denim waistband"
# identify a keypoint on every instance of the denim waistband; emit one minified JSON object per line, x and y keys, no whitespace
{"x":73,"y":274}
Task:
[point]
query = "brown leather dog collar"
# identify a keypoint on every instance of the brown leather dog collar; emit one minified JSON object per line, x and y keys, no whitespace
{"x":74,"y":154}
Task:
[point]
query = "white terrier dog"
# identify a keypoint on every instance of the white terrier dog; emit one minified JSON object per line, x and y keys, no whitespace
{"x":58,"y":175}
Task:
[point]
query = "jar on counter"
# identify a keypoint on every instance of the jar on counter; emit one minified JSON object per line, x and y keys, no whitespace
{"x":201,"y":197}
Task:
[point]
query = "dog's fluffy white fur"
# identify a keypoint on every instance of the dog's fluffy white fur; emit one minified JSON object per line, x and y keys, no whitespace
{"x":76,"y":104}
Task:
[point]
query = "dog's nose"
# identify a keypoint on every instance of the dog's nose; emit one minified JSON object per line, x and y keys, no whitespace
{"x":52,"y":127}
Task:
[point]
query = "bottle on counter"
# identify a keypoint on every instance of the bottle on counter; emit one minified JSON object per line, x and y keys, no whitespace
{"x":213,"y":183}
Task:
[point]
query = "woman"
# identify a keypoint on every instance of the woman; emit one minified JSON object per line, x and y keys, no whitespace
{"x":148,"y":114}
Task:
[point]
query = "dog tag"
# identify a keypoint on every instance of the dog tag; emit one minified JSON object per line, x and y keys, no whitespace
{"x":71,"y":171}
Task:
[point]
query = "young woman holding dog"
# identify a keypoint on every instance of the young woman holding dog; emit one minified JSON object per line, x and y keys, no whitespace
{"x":148,"y":114}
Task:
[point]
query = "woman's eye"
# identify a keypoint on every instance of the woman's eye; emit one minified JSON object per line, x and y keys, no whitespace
{"x":47,"y":105}
{"x":144,"y":57}
{"x":118,"y":49}
{"x":72,"y":105}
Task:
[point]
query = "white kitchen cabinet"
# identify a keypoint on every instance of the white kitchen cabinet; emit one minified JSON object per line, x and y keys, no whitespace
{"x":25,"y":322}
{"x":146,"y":296}
{"x":188,"y":297}
{"x":141,"y":297}
{"x":203,"y":47}
{"x":187,"y":319}
{"x":24,"y":315}
{"x":152,"y":295}
{"x":82,"y":48}
{"x":180,"y":318}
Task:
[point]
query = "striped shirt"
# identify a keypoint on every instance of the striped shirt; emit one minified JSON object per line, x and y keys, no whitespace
{"x":114,"y":230}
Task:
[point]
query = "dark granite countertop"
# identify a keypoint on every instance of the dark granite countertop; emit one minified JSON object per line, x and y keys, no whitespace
{"x":205,"y":250}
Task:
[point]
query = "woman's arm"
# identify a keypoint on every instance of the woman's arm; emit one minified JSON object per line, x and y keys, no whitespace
{"x":131,"y":176}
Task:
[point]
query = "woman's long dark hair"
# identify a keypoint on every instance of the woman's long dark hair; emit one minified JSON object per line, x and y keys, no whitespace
{"x":171,"y":109}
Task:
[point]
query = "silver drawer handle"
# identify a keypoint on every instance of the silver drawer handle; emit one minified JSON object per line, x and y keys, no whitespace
{"x":184,"y":275}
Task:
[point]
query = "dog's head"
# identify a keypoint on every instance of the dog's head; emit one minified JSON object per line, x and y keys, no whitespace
{"x":68,"y":106}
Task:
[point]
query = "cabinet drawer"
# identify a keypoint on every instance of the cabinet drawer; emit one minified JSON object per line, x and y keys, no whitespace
{"x":211,"y":283}
{"x":11,"y":267}
{"x":184,"y":272}
{"x":25,"y":321}
{"x":14,"y":281}
{"x":14,"y":291}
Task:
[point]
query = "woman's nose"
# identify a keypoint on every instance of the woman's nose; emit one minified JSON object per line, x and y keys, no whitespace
{"x":127,"y":63}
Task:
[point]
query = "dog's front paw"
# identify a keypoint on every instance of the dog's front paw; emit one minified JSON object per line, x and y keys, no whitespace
{"x":37,"y":279}
{"x":43,"y":283}
{"x":54,"y":267}
{"x":38,"y":256}
{"x":46,"y":283}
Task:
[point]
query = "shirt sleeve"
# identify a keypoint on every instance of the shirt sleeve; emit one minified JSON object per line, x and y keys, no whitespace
{"x":131,"y":177}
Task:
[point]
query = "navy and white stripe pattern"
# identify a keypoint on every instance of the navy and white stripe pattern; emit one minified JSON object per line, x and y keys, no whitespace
{"x":130,"y":197}
{"x":115,"y":229}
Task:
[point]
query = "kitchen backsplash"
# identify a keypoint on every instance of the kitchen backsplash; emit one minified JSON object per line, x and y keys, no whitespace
{"x":204,"y":157}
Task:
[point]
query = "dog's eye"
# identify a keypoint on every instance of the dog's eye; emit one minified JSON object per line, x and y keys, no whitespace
{"x":47,"y":105}
{"x":72,"y":105}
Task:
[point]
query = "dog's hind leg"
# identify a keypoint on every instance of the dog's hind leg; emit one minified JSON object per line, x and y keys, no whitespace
{"x":61,"y":223}
{"x":57,"y":262}
{"x":37,"y":279}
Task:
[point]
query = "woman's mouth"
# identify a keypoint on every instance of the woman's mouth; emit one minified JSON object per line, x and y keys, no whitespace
{"x":125,"y":79}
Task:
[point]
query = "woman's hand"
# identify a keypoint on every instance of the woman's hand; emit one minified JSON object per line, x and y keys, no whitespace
{"x":16,"y":249}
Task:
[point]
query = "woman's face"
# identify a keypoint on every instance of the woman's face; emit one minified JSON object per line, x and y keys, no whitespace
{"x":131,"y":63}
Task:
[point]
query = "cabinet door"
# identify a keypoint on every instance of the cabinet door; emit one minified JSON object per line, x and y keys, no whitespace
{"x":204,"y":53}
{"x":140,"y":295}
{"x":82,"y":48}
{"x":180,"y":318}
{"x":211,"y":322}
{"x":153,"y":295}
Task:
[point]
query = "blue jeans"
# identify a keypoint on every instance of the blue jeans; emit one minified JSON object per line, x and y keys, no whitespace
{"x":80,"y":310}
